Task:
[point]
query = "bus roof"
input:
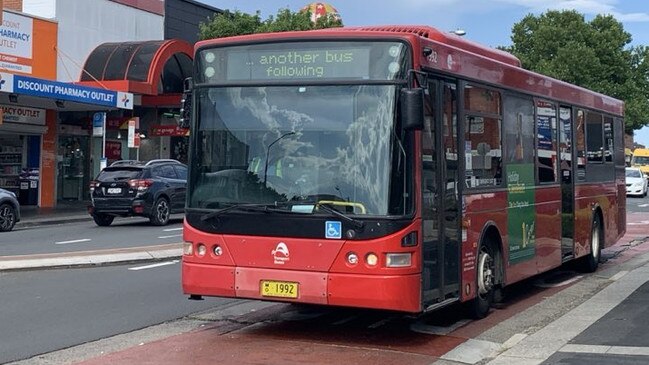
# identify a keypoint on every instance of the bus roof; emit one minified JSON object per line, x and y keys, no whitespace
{"x":641,"y":152}
{"x":446,"y":38}
{"x":454,"y":55}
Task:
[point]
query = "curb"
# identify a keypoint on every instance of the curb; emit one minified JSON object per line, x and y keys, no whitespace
{"x":91,"y":258}
{"x":46,"y":222}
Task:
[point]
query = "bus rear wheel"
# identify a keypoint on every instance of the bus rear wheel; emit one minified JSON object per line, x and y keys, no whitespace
{"x":590,"y":262}
{"x":486,"y":281}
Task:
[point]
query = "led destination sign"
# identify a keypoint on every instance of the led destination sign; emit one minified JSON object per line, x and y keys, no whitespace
{"x":304,"y":61}
{"x":310,"y":64}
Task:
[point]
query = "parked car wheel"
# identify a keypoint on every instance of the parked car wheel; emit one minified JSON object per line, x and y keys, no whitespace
{"x":161,"y":212}
{"x":103,"y":220}
{"x":7,"y":217}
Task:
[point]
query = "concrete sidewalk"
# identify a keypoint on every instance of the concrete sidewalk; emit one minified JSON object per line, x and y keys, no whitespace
{"x":67,"y":212}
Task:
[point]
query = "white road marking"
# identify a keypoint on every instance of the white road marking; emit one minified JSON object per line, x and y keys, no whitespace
{"x":379,"y":323}
{"x":618,"y":276}
{"x":555,"y":285}
{"x":643,"y":205}
{"x":603,"y":349}
{"x":344,"y":320}
{"x":153,"y":265}
{"x":73,"y":241}
{"x":641,"y":223}
{"x":180,"y":229}
{"x":173,"y":235}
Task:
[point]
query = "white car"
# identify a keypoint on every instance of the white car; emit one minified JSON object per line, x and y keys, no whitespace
{"x":636,"y":182}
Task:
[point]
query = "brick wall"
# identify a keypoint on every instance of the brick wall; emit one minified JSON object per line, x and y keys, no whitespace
{"x":16,"y":5}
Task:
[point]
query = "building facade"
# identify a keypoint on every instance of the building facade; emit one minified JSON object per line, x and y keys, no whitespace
{"x":47,"y":145}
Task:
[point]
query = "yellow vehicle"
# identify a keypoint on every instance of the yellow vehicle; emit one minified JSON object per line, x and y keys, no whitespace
{"x":628,"y":154}
{"x":641,"y":159}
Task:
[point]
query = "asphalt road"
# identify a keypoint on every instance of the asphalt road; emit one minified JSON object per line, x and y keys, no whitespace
{"x":637,"y":204}
{"x":84,"y":236}
{"x":48,"y":310}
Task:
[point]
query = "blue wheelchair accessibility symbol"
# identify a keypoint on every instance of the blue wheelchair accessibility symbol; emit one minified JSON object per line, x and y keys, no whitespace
{"x":333,"y":229}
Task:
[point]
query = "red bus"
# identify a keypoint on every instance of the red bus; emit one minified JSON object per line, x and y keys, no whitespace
{"x":398,"y":168}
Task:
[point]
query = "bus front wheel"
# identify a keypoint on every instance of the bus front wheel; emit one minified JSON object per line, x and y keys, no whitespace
{"x":486,"y":281}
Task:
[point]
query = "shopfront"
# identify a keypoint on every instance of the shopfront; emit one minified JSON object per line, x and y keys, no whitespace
{"x":44,"y":158}
{"x":21,"y":132}
{"x":154,"y":72}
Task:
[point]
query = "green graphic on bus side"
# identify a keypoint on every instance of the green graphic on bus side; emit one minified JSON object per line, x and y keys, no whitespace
{"x":521,"y":213}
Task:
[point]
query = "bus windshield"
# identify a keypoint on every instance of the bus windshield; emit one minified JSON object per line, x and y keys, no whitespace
{"x":297,"y":144}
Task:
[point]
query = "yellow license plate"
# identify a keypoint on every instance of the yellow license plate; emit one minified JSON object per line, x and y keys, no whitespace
{"x":280,"y":289}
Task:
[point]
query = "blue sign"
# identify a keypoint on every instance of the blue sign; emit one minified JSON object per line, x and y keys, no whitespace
{"x":98,"y":124}
{"x":71,"y":92}
{"x":333,"y":229}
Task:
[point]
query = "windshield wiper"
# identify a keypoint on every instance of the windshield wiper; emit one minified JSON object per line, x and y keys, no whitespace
{"x":265,"y":208}
{"x":355,"y":222}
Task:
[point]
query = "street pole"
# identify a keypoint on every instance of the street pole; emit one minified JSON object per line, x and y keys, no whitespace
{"x":103,"y":139}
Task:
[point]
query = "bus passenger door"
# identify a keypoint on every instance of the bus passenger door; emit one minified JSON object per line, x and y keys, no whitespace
{"x":567,"y":183}
{"x":441,"y":193}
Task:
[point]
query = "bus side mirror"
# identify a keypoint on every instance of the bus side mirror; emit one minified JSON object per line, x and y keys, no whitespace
{"x":412,"y":109}
{"x":186,"y":104}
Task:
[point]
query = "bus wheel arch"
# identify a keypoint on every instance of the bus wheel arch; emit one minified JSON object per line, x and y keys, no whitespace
{"x":489,"y":272}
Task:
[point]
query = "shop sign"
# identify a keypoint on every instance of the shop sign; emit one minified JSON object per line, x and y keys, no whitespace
{"x":23,"y":115}
{"x":16,"y":41}
{"x":98,"y":120}
{"x":64,"y":91}
{"x":115,"y":123}
{"x":133,"y":137}
{"x":113,"y":150}
{"x":160,"y":130}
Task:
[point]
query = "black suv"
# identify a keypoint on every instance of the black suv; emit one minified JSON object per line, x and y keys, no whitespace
{"x":155,"y":190}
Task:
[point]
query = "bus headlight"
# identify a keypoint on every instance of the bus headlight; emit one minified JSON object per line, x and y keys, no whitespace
{"x":218,"y":251}
{"x":398,"y":260}
{"x":201,"y":250}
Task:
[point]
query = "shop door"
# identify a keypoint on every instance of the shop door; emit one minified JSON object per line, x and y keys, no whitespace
{"x":441,"y":194}
{"x":73,"y":164}
{"x":567,"y":183}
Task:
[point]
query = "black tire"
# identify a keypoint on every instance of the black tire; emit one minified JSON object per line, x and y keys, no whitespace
{"x":103,"y":220}
{"x":485,"y":281}
{"x":590,"y":262}
{"x":7,"y":217}
{"x":161,"y":212}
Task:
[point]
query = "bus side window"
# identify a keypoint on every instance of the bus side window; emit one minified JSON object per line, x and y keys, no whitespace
{"x":482,"y":137}
{"x":546,"y":130}
{"x":580,"y":144}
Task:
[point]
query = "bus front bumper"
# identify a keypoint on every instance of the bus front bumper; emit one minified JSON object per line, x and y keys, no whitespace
{"x":399,"y":292}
